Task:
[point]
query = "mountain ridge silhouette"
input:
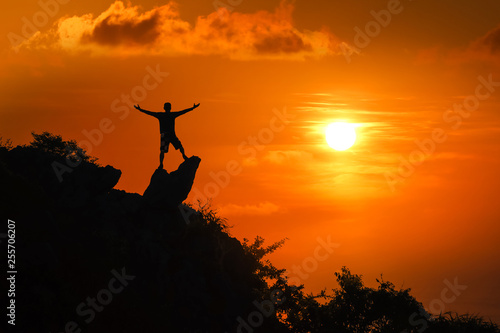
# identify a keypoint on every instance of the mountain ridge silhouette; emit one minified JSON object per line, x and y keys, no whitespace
{"x":82,"y":224}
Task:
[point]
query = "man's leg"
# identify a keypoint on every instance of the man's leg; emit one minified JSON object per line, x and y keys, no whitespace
{"x":163,"y":145}
{"x":162,"y":156}
{"x":178,"y":145}
{"x":182,"y":152}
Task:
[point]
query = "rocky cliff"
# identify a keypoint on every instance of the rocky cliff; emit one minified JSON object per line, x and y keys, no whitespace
{"x":97,"y":259}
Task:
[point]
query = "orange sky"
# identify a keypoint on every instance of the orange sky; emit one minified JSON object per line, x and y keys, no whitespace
{"x":423,"y":67}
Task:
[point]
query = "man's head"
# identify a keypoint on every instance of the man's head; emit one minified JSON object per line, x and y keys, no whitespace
{"x":167,"y":107}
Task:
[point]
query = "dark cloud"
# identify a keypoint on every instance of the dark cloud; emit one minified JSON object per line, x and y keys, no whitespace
{"x":285,"y":43}
{"x":112,"y":31}
{"x":492,"y":40}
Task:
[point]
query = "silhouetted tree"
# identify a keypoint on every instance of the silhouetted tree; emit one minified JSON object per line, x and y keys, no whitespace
{"x":54,"y":144}
{"x":450,"y":322}
{"x":6,"y":144}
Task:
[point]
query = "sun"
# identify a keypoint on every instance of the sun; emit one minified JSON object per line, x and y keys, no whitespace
{"x":340,"y":136}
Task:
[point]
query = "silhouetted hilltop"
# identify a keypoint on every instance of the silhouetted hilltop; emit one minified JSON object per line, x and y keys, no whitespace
{"x":91,"y":258}
{"x":73,"y":234}
{"x":169,"y":190}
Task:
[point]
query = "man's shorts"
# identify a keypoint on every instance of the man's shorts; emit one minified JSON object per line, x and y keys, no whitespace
{"x":166,"y":140}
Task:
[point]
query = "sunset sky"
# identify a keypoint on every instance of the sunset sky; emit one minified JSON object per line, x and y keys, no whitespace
{"x":415,"y":199}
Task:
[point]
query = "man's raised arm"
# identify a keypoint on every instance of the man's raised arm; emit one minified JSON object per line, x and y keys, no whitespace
{"x":144,"y":111}
{"x":180,"y":113}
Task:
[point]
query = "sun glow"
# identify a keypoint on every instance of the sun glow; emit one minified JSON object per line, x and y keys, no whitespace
{"x":340,"y":135}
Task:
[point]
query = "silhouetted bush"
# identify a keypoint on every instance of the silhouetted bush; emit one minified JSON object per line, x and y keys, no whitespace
{"x":54,"y":144}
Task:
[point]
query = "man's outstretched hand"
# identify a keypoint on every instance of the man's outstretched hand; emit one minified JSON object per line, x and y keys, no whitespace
{"x":139,"y":108}
{"x":195,"y":105}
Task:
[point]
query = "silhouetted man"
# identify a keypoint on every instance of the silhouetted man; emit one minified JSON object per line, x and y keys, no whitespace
{"x":167,"y":128}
